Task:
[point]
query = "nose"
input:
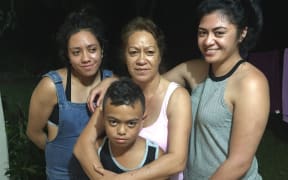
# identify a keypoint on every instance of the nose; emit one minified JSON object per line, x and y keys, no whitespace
{"x":141,"y":59}
{"x":209,"y":39}
{"x":121,"y":129}
{"x":85,"y":56}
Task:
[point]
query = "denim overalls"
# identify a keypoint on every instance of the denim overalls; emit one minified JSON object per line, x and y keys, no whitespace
{"x":73,"y":117}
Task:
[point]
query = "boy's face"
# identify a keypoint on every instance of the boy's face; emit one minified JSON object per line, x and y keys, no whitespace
{"x":122,"y":123}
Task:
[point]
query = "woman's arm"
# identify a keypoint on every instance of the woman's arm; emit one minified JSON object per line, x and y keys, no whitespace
{"x":85,"y":148}
{"x":251,"y":111}
{"x":42,"y":102}
{"x":177,"y":74}
{"x":179,"y":127}
{"x":188,"y":73}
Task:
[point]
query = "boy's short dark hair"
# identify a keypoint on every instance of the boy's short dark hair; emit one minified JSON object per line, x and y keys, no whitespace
{"x":124,"y":92}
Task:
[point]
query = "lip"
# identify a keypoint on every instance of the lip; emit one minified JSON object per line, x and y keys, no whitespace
{"x":210,"y":52}
{"x":87,"y":67}
{"x":141,"y":70}
{"x":120,"y":140}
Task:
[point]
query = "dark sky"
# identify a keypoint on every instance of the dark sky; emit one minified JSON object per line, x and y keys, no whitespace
{"x":38,"y":20}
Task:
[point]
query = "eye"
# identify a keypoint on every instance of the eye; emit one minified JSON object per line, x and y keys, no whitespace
{"x":201,"y":33}
{"x":132,"y":52}
{"x":132,"y":124}
{"x":113,"y":123}
{"x":75,"y":52}
{"x":92,"y":50}
{"x":150,"y":52}
{"x":219,"y":33}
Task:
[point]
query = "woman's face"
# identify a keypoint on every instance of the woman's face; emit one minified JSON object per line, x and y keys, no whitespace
{"x":217,"y":37}
{"x":142,"y":56}
{"x":85,"y":53}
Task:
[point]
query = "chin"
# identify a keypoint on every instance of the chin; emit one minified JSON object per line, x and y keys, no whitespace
{"x":140,"y":79}
{"x":210,"y":59}
{"x":90,"y":73}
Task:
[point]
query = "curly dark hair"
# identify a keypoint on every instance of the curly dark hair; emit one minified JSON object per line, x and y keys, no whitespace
{"x":75,"y":22}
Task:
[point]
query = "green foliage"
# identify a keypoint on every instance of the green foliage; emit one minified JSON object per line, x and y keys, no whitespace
{"x":26,"y":161}
{"x":273,"y":148}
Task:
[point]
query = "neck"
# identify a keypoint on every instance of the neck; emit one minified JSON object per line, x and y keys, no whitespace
{"x":118,"y":150}
{"x":151,"y":88}
{"x":86,"y":80}
{"x":223,"y":67}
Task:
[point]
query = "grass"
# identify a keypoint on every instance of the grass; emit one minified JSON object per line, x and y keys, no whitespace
{"x":271,"y":154}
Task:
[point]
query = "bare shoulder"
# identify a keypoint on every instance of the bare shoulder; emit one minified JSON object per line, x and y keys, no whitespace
{"x":45,"y":85}
{"x":252,"y":77}
{"x":250,"y":80}
{"x":45,"y":91}
{"x":180,"y":93}
{"x":180,"y":98}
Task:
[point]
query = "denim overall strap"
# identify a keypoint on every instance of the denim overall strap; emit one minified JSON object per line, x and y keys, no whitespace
{"x":59,"y":87}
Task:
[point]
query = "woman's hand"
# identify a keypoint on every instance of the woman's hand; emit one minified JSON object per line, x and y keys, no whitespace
{"x":96,"y":95}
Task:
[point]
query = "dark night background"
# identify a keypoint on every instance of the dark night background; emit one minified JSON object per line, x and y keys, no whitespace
{"x":30,"y":36}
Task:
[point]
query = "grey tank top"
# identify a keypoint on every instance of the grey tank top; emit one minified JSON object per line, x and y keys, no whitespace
{"x":212,"y":123}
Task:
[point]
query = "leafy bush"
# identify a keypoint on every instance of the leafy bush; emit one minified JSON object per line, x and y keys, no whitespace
{"x":26,"y":161}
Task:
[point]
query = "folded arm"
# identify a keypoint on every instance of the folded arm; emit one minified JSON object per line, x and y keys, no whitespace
{"x":85,"y":149}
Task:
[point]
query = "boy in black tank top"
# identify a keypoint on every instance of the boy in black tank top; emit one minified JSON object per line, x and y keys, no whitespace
{"x":123,"y":112}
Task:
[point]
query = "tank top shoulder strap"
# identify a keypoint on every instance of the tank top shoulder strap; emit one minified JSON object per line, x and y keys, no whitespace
{"x":106,"y":73}
{"x":171,"y":88}
{"x":221,"y":78}
{"x":58,"y":83}
{"x":152,"y":151}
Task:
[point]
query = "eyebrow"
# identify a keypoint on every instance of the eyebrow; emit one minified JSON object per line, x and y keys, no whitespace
{"x":214,"y":29}
{"x":78,"y":47}
{"x":118,"y":120}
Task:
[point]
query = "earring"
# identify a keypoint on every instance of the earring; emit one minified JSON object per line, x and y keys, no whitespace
{"x":241,"y":39}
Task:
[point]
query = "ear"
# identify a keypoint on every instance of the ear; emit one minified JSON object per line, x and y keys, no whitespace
{"x":243,"y":34}
{"x":143,"y":118}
